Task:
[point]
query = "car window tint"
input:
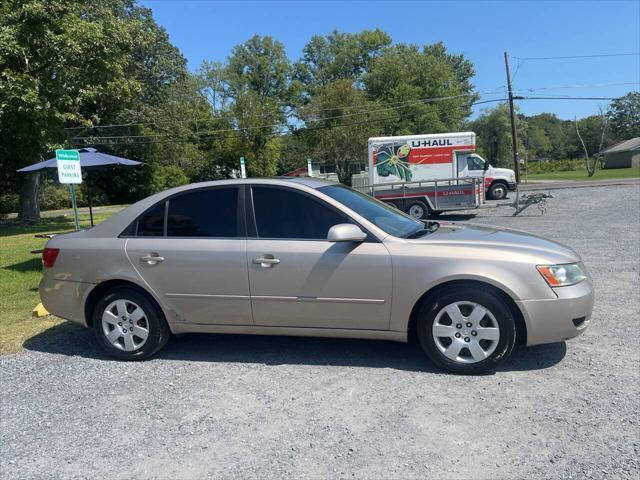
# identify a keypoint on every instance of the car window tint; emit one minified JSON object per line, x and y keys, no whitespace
{"x":151,"y":223}
{"x":204,"y":213}
{"x":282,"y":213}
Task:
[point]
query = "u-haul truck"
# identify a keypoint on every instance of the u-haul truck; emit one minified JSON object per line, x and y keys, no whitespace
{"x":429,"y":174}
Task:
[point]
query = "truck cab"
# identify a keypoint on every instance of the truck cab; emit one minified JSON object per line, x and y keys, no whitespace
{"x":498,"y":181}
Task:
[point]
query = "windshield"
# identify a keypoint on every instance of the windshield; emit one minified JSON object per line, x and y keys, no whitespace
{"x":380,"y":214}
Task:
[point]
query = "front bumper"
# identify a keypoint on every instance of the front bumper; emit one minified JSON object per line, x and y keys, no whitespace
{"x":561,"y":318}
{"x":512,"y":186}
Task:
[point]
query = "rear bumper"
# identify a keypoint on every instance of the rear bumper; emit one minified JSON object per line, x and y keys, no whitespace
{"x":559,"y":319}
{"x":65,"y":299}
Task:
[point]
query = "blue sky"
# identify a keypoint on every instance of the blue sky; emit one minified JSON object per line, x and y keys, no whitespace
{"x":482,"y":31}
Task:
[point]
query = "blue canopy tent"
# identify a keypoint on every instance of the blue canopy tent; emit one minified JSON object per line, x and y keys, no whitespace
{"x":89,"y":158}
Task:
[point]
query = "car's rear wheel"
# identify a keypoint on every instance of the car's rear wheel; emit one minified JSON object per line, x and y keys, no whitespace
{"x":466,"y":329}
{"x":128,"y":325}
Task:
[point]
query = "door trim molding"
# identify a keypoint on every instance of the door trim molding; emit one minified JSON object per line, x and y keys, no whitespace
{"x":377,"y":301}
{"x":205,"y":295}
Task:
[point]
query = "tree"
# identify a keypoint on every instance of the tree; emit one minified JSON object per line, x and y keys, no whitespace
{"x":410,"y":79}
{"x":493,"y":128}
{"x":339,"y":56}
{"x":335,"y":135}
{"x":624,"y":117}
{"x":253,"y":91}
{"x":70,"y":63}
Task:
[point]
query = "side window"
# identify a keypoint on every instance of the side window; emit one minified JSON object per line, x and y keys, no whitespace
{"x":474,"y":163}
{"x":204,"y":213}
{"x":282,"y":213}
{"x":151,"y":223}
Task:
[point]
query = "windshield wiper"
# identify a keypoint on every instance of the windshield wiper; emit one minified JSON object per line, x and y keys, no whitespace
{"x":421,"y":232}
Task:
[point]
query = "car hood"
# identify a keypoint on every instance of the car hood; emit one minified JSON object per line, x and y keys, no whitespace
{"x":504,"y":240}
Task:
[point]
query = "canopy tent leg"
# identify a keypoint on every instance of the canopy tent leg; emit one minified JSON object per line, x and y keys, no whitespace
{"x":89,"y":198}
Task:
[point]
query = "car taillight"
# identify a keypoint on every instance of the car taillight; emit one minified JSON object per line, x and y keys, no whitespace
{"x":49,"y":256}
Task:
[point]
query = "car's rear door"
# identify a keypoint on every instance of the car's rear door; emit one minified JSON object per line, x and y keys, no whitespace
{"x":191,"y":250}
{"x":299,"y":279}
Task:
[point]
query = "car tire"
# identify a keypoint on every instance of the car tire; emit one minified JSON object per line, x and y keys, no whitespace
{"x":417,"y":209}
{"x":467,"y":344}
{"x":129,"y":325}
{"x":498,"y":191}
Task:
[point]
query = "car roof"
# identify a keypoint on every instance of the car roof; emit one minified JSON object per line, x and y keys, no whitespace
{"x":282,"y":180}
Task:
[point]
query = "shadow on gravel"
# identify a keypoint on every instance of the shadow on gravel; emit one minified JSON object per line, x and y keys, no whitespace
{"x":71,"y":340}
{"x":453,"y":217}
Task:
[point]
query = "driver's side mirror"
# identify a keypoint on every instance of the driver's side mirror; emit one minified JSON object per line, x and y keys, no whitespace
{"x":486,"y":166}
{"x":346,"y":232}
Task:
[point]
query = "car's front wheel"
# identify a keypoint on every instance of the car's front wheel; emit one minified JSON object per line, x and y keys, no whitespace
{"x":466,"y":329}
{"x":128,"y":325}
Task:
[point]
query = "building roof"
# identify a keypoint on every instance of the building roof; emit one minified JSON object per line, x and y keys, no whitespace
{"x":626,"y":146}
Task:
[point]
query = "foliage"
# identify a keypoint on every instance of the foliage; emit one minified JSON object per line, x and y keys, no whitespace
{"x":493,"y":129}
{"x":335,"y":135}
{"x":406,"y":76}
{"x":624,"y":117}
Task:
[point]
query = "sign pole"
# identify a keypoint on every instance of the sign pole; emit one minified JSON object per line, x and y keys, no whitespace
{"x":70,"y":172}
{"x":72,"y":189}
{"x":309,"y":168}
{"x":243,"y":171}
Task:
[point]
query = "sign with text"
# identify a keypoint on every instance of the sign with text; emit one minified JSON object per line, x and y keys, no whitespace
{"x":68,"y":162}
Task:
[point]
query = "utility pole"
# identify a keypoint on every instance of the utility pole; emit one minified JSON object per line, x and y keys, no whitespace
{"x":514,"y":132}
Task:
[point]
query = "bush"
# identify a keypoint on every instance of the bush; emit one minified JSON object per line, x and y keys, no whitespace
{"x":8,"y":203}
{"x":54,"y":197}
{"x":555,"y":166}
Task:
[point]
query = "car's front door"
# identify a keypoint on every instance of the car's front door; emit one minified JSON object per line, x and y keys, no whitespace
{"x":299,"y":279}
{"x":191,"y":250}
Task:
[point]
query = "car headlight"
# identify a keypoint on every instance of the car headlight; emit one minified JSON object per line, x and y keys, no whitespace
{"x":563,"y":275}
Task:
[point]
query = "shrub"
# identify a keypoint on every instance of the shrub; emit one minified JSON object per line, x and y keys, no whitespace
{"x":8,"y":203}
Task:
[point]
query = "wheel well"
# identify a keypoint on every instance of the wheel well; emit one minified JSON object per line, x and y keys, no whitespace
{"x":499,"y":180}
{"x":101,"y":289}
{"x":521,"y":327}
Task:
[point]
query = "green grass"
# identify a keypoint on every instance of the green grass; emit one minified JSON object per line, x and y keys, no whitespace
{"x":20,"y":273}
{"x":610,"y":174}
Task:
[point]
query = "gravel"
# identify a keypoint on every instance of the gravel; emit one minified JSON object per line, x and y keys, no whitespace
{"x":249,"y":406}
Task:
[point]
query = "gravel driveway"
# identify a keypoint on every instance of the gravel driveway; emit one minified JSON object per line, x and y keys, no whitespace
{"x":233,"y":406}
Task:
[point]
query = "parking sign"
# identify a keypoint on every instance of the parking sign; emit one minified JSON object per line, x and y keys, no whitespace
{"x":68,"y":162}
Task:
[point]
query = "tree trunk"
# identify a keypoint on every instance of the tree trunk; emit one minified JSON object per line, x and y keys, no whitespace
{"x":28,"y":209}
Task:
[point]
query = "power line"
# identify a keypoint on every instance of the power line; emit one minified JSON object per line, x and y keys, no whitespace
{"x":406,"y":103}
{"x":592,"y":85}
{"x":91,"y":140}
{"x":399,"y":104}
{"x":579,"y":56}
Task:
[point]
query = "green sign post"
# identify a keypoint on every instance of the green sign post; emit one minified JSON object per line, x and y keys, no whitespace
{"x":69,"y":172}
{"x":243,"y":171}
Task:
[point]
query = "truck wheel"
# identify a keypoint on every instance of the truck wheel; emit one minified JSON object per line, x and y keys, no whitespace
{"x":466,"y":329}
{"x":498,"y":191}
{"x":417,"y":209}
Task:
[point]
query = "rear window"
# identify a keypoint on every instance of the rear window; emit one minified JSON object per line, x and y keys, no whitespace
{"x":204,"y":213}
{"x":151,"y":223}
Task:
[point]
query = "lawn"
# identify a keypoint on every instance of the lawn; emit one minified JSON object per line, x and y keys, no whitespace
{"x":20,"y":273}
{"x":611,"y":174}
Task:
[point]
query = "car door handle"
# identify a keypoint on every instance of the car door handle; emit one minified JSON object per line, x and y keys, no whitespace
{"x":152,"y":259}
{"x":266,"y":262}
